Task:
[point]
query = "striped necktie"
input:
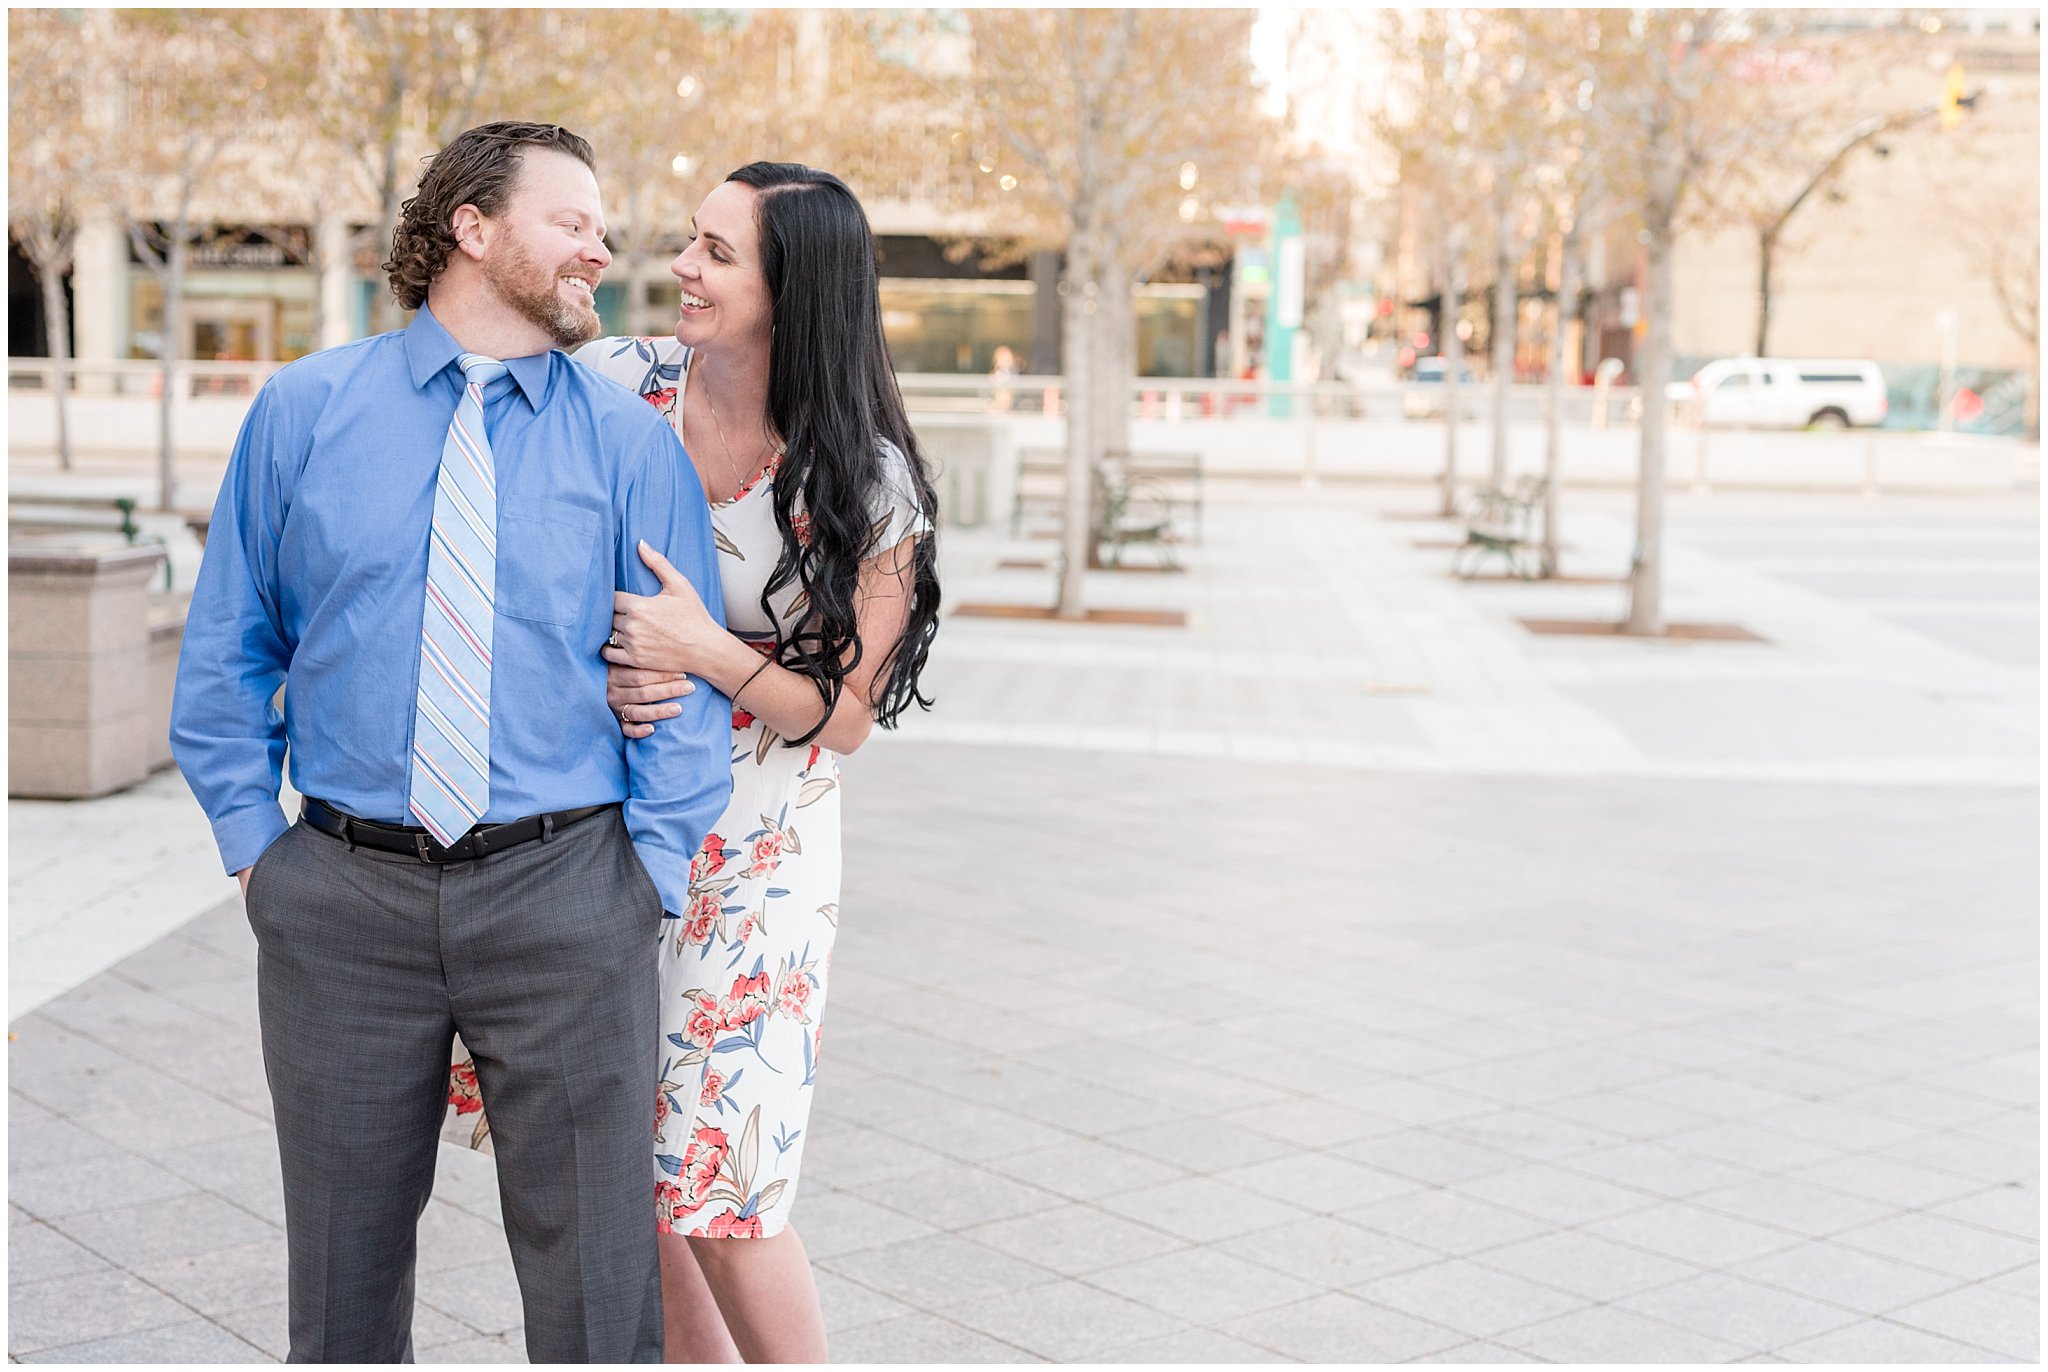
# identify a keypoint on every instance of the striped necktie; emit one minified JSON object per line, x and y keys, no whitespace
{"x":451,"y":736}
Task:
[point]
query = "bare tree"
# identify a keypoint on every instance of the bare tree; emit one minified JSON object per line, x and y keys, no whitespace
{"x":2005,"y":249}
{"x":1820,"y":124}
{"x":1512,"y":149}
{"x":409,"y":81}
{"x":321,"y":173}
{"x":673,"y":103}
{"x":1572,"y":177}
{"x":1679,"y":79}
{"x":1433,"y":121}
{"x":50,"y":165}
{"x":191,"y":81}
{"x":1088,"y":124}
{"x":1335,"y":189}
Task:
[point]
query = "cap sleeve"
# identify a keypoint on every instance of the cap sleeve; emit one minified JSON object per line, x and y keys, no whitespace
{"x":651,"y":368}
{"x":893,"y":513}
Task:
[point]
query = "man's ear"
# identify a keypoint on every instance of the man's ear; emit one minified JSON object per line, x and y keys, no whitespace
{"x":472,"y":231}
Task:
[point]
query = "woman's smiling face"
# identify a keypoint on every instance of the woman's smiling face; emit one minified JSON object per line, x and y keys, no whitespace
{"x":725,"y":302}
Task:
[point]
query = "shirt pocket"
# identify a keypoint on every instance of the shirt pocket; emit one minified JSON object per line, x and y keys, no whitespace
{"x":545,"y":548}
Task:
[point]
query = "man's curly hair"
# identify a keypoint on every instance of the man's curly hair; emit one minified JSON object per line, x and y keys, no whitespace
{"x":479,"y":168}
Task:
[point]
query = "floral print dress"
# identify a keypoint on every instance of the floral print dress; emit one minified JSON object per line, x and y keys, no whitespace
{"x":744,"y":969}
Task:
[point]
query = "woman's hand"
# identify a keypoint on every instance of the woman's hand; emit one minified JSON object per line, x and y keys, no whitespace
{"x":660,"y":638}
{"x":669,"y":633}
{"x":639,"y":697}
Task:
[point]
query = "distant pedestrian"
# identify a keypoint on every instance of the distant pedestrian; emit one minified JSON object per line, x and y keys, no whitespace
{"x":779,"y":384}
{"x":1002,"y":371}
{"x":420,"y":536}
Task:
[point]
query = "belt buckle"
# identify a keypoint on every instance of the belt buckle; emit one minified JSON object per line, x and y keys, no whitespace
{"x":419,"y":842}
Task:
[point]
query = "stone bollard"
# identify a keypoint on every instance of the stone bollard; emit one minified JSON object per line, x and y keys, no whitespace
{"x":80,"y":685}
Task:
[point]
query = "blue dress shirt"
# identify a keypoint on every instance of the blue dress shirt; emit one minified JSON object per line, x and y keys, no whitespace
{"x":315,"y":578}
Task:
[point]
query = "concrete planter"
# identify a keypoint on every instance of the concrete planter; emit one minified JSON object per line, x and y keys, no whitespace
{"x":83,"y":717}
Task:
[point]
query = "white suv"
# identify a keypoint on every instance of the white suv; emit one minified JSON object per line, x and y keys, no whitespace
{"x":1780,"y":393}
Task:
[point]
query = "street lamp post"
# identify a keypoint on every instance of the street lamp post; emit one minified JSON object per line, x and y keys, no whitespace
{"x":1769,"y":234}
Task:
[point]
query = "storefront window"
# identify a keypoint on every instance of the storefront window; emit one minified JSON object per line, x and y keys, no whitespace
{"x":956,"y":326}
{"x":1169,"y":330}
{"x":229,"y":316}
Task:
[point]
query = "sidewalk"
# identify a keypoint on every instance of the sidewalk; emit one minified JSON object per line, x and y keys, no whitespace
{"x":1349,"y":976}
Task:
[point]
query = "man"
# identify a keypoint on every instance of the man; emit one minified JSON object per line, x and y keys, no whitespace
{"x":420,"y":535}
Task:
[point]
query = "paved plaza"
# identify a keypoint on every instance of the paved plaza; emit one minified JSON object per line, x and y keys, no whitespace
{"x":1348,"y":976}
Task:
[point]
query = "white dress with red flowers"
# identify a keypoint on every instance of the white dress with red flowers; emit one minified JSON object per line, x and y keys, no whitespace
{"x":743,"y":969}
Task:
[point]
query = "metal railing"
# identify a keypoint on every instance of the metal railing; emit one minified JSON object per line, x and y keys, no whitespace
{"x":139,"y":377}
{"x":1202,"y":399}
{"x":1171,"y":399}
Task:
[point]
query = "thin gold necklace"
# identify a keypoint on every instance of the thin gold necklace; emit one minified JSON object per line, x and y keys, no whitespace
{"x":732,"y":467}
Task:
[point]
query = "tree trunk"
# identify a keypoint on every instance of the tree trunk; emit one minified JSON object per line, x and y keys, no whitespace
{"x":318,"y":266}
{"x":319,"y":256}
{"x":1116,"y":350}
{"x":1553,"y":417}
{"x":1503,"y":339}
{"x":57,"y":321}
{"x":380,"y":30}
{"x":1115,"y":357}
{"x":1045,"y":314}
{"x":384,"y":305}
{"x":172,"y":278}
{"x":333,"y":256}
{"x":2030,"y":413}
{"x":1078,"y":347}
{"x":1452,"y":350}
{"x":1766,"y":249}
{"x":1646,"y":570}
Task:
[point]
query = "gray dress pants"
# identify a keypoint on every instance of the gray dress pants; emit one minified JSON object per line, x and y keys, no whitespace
{"x":543,"y":957}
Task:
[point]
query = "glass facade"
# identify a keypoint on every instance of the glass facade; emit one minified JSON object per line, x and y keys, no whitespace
{"x":1170,"y":330}
{"x":956,"y":326}
{"x":229,"y":316}
{"x":263,"y":311}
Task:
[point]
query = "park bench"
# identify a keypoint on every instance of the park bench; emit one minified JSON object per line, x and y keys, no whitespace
{"x":65,"y":513}
{"x":1041,"y":485}
{"x":1140,"y":497}
{"x":1171,"y":481}
{"x":1507,"y":523}
{"x":1146,"y":498}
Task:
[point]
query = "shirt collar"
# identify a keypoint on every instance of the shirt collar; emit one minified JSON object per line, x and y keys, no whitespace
{"x":431,"y":349}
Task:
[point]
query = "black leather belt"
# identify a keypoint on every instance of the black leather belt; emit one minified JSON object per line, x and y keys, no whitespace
{"x":419,"y":844}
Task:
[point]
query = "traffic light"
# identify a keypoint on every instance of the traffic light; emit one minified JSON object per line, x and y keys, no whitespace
{"x":1952,"y":97}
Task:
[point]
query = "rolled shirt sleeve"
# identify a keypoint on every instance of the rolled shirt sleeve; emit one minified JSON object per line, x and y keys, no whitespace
{"x":679,"y":778}
{"x":227,"y":733}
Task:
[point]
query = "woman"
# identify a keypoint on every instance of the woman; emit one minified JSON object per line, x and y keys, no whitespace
{"x":779,"y":385}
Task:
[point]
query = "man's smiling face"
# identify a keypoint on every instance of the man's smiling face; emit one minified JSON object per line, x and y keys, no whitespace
{"x":546,"y":253}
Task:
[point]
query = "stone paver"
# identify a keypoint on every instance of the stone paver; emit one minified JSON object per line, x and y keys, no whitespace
{"x":1607,"y":1333}
{"x":1350,"y":976}
{"x":1465,"y":1296}
{"x":1335,"y":1327}
{"x":1883,"y":1341}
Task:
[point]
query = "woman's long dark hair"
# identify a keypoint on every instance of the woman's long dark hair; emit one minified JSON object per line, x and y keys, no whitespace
{"x":833,"y":400}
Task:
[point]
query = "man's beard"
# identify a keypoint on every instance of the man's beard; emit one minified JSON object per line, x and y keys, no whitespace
{"x":534,"y":291}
